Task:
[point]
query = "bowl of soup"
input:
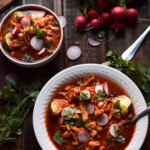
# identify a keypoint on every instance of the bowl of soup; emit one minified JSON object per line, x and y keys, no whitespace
{"x":89,"y":107}
{"x":31,"y":35}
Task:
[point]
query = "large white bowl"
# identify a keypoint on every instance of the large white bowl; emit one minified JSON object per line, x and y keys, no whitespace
{"x":81,"y":71}
{"x":40,"y":62}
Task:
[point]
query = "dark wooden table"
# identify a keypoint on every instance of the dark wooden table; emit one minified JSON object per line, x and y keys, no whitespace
{"x":69,"y":8}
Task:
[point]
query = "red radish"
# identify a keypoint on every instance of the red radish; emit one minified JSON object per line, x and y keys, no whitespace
{"x":73,"y":52}
{"x":38,"y":14}
{"x":92,"y":14}
{"x":119,"y":27}
{"x":118,"y":13}
{"x":25,"y":21}
{"x":60,"y":121}
{"x":98,"y":87}
{"x":106,"y":19}
{"x":132,"y":15}
{"x":15,"y":31}
{"x":103,"y":120}
{"x":83,"y":136}
{"x":105,"y":88}
{"x":114,"y":130}
{"x":95,"y":24}
{"x":42,"y":51}
{"x":102,"y":5}
{"x":90,"y":108}
{"x":80,"y":22}
{"x":93,"y":42}
{"x":62,"y":20}
{"x":36,"y":43}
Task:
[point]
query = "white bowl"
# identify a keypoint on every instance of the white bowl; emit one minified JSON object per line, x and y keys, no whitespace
{"x":81,"y":71}
{"x":40,"y":62}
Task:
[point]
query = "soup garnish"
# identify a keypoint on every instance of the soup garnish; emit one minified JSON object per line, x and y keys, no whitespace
{"x":30,"y":35}
{"x":90,"y":114}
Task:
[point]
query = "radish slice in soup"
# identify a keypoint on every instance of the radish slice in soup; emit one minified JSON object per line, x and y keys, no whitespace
{"x":83,"y":136}
{"x":25,"y":21}
{"x":42,"y":51}
{"x":114,"y":130}
{"x":98,"y":87}
{"x":87,"y":93}
{"x":67,"y":113}
{"x":93,"y":42}
{"x":90,"y":108}
{"x":105,"y":88}
{"x":103,"y":120}
{"x":38,"y":14}
{"x":63,"y":21}
{"x":60,"y":121}
{"x":36,"y":43}
{"x":74,"y":52}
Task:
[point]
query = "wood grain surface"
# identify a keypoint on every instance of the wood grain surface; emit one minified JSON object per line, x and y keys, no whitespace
{"x":70,"y":9}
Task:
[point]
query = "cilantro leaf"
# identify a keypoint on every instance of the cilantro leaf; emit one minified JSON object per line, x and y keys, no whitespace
{"x":76,"y":122}
{"x":121,"y":139}
{"x":58,"y":138}
{"x":117,"y":104}
{"x":110,"y":141}
{"x":101,"y":95}
{"x":83,"y":96}
{"x":39,"y":34}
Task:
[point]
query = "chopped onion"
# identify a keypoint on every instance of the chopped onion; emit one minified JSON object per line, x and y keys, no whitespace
{"x":62,"y":21}
{"x":25,"y":21}
{"x":83,"y":136}
{"x":38,"y":14}
{"x":113,"y":131}
{"x":36,"y":43}
{"x":103,"y":119}
{"x":42,"y":51}
{"x":98,"y":87}
{"x":90,"y":108}
{"x":93,"y":42}
{"x":105,"y":88}
{"x":73,"y":52}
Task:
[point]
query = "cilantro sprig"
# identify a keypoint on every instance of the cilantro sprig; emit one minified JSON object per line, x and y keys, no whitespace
{"x":58,"y":138}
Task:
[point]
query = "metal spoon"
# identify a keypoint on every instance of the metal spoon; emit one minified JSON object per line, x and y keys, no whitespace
{"x":140,"y":115}
{"x":129,"y":53}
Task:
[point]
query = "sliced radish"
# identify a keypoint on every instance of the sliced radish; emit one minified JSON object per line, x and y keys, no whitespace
{"x":73,"y":52}
{"x":103,"y":120}
{"x":93,"y":42}
{"x":113,"y":130}
{"x":36,"y":43}
{"x":87,"y":93}
{"x":42,"y":51}
{"x":38,"y":14}
{"x":70,"y":114}
{"x":105,"y":88}
{"x":83,"y":136}
{"x":25,"y":21}
{"x":98,"y":88}
{"x":62,"y":21}
{"x":15,"y":31}
{"x":60,"y":121}
{"x":90,"y":108}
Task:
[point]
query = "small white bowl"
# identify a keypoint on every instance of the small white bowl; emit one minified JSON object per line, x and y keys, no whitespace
{"x":81,"y":71}
{"x":40,"y":62}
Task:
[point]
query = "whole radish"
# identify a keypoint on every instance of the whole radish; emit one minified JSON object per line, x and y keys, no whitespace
{"x":106,"y":19}
{"x":80,"y":22}
{"x":95,"y":24}
{"x":102,"y":5}
{"x":132,"y":16}
{"x":119,"y":27}
{"x":118,"y":14}
{"x":92,"y":14}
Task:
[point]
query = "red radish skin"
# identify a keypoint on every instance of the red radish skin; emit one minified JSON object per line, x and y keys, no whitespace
{"x":119,"y":27}
{"x":15,"y":31}
{"x":118,"y":14}
{"x":83,"y":136}
{"x":80,"y":22}
{"x":92,"y":14}
{"x":95,"y":24}
{"x":103,"y":120}
{"x":102,"y":5}
{"x":25,"y":21}
{"x":106,"y":19}
{"x":132,"y":16}
{"x":90,"y":108}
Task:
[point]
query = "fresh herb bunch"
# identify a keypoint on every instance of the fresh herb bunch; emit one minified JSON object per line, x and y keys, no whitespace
{"x":16,"y":99}
{"x":140,"y":73}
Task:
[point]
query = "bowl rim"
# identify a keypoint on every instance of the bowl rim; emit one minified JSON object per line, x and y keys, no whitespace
{"x":39,"y":62}
{"x":39,"y":105}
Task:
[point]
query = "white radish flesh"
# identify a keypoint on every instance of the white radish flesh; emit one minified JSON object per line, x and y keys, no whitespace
{"x":93,"y":42}
{"x":90,"y":108}
{"x":62,"y":21}
{"x":103,"y":120}
{"x":83,"y":136}
{"x":42,"y":51}
{"x":36,"y":43}
{"x":25,"y":21}
{"x":113,"y":130}
{"x":105,"y":88}
{"x":98,"y":88}
{"x":38,"y":14}
{"x":73,"y":52}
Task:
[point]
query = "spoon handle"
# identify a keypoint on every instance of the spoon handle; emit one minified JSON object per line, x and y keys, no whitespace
{"x":140,"y":115}
{"x":129,"y":53}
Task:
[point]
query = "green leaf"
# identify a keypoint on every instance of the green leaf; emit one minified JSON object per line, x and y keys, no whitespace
{"x":48,"y":45}
{"x":27,"y":58}
{"x":55,"y":22}
{"x":39,"y":34}
{"x":110,"y":141}
{"x":83,"y":96}
{"x":117,"y":104}
{"x":101,"y":95}
{"x":121,"y":139}
{"x":58,"y":138}
{"x":76,"y":122}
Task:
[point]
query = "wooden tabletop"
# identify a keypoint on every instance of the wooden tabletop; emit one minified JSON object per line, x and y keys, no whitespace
{"x":69,"y":8}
